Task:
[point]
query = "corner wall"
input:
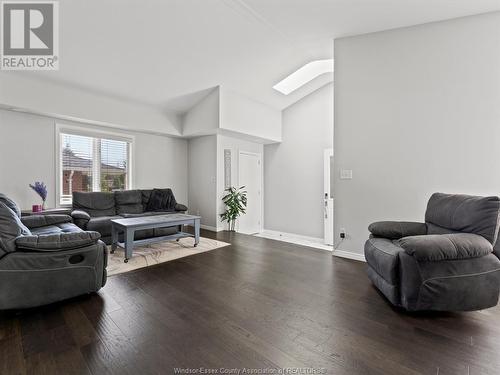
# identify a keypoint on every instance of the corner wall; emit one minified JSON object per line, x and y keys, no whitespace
{"x":202,"y":179}
{"x":416,"y":111}
{"x":293,"y":169}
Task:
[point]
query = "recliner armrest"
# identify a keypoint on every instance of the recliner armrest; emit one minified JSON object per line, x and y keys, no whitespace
{"x":397,"y":229}
{"x":438,"y":247}
{"x":180,"y":207}
{"x":36,"y":221}
{"x":57,"y":241}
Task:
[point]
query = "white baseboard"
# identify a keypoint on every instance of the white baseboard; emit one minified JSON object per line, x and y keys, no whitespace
{"x":211,"y":229}
{"x":208,"y":227}
{"x":297,"y":239}
{"x":349,"y":255}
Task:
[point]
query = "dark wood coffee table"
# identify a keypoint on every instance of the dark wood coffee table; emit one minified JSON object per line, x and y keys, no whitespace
{"x":130,"y":225}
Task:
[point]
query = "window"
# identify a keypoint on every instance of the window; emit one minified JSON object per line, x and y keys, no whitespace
{"x":92,"y":163}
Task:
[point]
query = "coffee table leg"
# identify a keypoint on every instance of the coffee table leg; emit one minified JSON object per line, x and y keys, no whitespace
{"x":129,"y":244}
{"x":114,"y":238}
{"x":196,"y":232}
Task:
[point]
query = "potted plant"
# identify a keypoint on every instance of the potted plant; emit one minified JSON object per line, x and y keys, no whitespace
{"x":236,"y":203}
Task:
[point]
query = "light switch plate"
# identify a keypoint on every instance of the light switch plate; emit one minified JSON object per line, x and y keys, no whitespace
{"x":346,"y":174}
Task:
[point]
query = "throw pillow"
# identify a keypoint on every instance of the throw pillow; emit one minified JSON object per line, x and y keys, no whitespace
{"x":161,"y":200}
{"x":11,"y":227}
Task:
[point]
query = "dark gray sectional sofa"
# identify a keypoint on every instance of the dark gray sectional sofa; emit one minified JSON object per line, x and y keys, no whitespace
{"x":46,"y":258}
{"x":448,"y":263}
{"x":94,"y":211}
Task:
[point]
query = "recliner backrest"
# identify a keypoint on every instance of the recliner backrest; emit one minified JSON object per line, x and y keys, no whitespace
{"x":451,"y":213}
{"x":11,"y":204}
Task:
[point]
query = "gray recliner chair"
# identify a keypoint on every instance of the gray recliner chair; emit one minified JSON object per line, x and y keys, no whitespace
{"x":46,"y":258}
{"x":447,"y":263}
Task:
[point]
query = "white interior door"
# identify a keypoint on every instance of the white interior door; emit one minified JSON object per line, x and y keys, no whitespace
{"x":328,"y":196}
{"x":250,"y":176}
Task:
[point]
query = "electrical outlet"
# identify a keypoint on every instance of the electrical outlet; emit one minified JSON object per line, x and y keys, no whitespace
{"x":343,"y":233}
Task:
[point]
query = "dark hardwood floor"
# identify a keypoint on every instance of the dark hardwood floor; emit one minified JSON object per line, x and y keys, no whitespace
{"x":257,"y":304}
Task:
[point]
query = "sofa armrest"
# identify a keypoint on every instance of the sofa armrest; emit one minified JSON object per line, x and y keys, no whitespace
{"x":394,"y":230}
{"x":79,"y":214}
{"x":438,"y":247}
{"x":36,"y":221}
{"x":80,"y":218}
{"x":57,"y":241}
{"x":180,"y":207}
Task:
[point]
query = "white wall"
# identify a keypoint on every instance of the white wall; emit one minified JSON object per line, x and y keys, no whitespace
{"x":416,"y":111}
{"x":162,"y":162}
{"x":202,"y":179}
{"x":243,"y":115}
{"x":294,"y":168}
{"x":235,"y":145}
{"x":72,"y":103}
{"x":27,"y":153}
{"x":204,"y":117}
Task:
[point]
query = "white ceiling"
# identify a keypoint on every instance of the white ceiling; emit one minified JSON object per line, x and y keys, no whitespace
{"x":169,"y":53}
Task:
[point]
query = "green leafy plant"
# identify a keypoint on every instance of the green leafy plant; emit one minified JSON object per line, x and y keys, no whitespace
{"x":236,"y":204}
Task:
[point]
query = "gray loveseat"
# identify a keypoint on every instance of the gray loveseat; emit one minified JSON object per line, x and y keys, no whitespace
{"x":46,"y":258}
{"x":94,"y":211}
{"x":447,"y":263}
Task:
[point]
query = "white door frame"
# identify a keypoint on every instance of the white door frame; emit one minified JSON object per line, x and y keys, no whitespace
{"x":261,"y":195}
{"x":329,"y":235}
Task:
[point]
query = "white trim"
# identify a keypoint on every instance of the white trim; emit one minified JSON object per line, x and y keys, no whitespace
{"x":328,"y":204}
{"x":261,"y":195}
{"x":349,"y":255}
{"x":297,"y":239}
{"x":210,"y":228}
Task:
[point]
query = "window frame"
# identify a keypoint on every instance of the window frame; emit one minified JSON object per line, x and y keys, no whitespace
{"x":93,"y":133}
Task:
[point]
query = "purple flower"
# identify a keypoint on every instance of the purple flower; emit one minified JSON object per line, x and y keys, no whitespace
{"x":41,"y":189}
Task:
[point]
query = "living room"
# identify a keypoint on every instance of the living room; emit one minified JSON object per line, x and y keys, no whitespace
{"x":249,"y":186}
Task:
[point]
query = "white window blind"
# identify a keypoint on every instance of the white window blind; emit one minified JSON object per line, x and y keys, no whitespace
{"x":91,"y":164}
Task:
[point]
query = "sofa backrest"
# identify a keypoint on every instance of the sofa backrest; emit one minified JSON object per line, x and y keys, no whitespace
{"x":129,"y":202}
{"x":451,"y":213}
{"x":95,"y":204}
{"x":146,"y":194}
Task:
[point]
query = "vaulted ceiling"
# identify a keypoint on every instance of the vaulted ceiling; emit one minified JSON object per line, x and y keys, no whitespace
{"x":168,"y":53}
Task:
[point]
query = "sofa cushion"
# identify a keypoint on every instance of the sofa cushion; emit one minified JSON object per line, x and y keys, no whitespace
{"x":95,"y":204}
{"x":11,"y":227}
{"x":57,"y":228}
{"x":129,"y":202}
{"x":464,"y":213}
{"x":382,"y":255}
{"x":102,"y":224}
{"x":397,"y":229}
{"x":438,"y":247}
{"x":11,"y":204}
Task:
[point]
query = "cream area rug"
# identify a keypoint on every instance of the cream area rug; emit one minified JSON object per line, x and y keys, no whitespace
{"x":144,"y":256}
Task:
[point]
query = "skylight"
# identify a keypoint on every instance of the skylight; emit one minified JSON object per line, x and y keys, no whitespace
{"x":304,"y":75}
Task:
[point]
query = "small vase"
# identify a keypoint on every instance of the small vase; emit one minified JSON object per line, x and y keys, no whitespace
{"x":43,"y":205}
